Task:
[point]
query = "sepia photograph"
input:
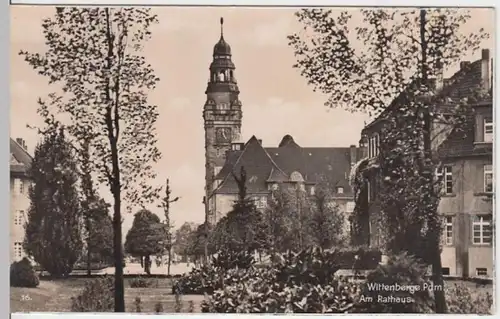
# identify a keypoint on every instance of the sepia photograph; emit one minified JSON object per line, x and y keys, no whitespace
{"x":252,"y":159}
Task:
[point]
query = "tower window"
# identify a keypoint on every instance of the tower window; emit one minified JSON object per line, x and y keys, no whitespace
{"x":222,"y":76}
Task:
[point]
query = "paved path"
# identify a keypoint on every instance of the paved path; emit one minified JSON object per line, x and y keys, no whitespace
{"x":136,"y":269}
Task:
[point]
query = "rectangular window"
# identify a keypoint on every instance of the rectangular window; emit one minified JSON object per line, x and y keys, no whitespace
{"x":488,"y":130}
{"x":377,"y":144}
{"x":446,"y":175}
{"x":18,"y":249}
{"x":373,"y":145}
{"x":448,"y":230}
{"x":21,"y":186}
{"x":481,"y":230}
{"x":488,"y":178}
{"x":481,"y":272}
{"x":313,"y":190}
{"x":368,"y":191}
{"x":445,"y":271}
{"x":19,"y":217}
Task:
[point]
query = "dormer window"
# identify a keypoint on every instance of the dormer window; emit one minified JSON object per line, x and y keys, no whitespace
{"x":488,"y":130}
{"x":373,"y":145}
{"x":340,"y":190}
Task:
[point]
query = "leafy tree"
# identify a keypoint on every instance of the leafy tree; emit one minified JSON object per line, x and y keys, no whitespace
{"x":243,"y":228}
{"x":94,"y":55}
{"x":402,"y":50}
{"x":145,"y":238}
{"x":327,"y":222}
{"x":53,"y":232}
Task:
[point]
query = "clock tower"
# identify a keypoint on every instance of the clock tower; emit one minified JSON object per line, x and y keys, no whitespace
{"x":221,"y":116}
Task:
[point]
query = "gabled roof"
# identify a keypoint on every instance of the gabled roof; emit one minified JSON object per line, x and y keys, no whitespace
{"x":276,"y":164}
{"x":258,"y":166}
{"x":20,"y":159}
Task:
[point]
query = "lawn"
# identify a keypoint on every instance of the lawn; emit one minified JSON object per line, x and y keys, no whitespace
{"x":55,"y":296}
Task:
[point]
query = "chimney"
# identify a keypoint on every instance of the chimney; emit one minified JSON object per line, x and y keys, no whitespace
{"x":22,"y":142}
{"x":439,"y":77}
{"x":353,"y":152}
{"x":464,"y":64}
{"x":485,"y":70}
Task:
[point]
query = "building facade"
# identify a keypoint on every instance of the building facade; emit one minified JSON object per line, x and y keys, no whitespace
{"x":466,"y":154}
{"x":288,"y":166}
{"x":20,"y":161}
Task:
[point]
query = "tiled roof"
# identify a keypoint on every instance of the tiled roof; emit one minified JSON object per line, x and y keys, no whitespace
{"x":274,"y":164}
{"x":20,"y":158}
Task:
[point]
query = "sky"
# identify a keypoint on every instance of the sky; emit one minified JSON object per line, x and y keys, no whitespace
{"x":276,"y":98}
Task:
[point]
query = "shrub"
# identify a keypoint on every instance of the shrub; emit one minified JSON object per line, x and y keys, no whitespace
{"x":461,"y":299}
{"x":22,"y":274}
{"x":298,"y":283}
{"x":226,"y":260}
{"x":400,"y":286}
{"x":96,"y":296}
{"x":141,"y":282}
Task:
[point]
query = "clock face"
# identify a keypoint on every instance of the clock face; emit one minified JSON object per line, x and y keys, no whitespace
{"x":223,"y":135}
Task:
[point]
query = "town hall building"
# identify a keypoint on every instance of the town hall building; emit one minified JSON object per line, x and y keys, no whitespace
{"x":266,"y":167}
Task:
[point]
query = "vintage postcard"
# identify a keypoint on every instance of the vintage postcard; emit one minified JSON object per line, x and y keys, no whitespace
{"x":251,"y":159}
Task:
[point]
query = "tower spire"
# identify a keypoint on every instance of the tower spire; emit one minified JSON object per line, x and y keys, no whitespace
{"x":221,"y":27}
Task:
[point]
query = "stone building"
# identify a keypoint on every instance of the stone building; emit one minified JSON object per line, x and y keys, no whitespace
{"x":266,"y":167}
{"x":467,"y":172}
{"x":20,"y":160}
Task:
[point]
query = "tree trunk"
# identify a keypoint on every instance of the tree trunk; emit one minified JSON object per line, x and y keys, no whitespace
{"x":89,"y":269}
{"x":147,"y":264}
{"x":437,"y":273}
{"x":118,"y":254}
{"x":169,"y":260}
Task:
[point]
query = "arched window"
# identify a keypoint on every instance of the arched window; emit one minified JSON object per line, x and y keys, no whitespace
{"x":222,"y":76}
